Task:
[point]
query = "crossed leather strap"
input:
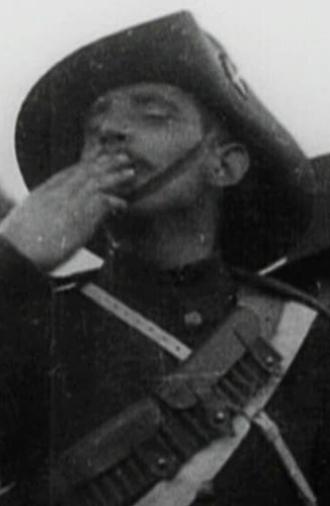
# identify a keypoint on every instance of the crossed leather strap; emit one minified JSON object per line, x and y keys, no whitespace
{"x":257,"y":343}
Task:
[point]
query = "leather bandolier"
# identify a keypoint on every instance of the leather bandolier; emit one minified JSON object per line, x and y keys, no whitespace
{"x":213,"y":397}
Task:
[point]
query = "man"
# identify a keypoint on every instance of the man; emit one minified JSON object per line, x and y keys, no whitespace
{"x":147,"y":382}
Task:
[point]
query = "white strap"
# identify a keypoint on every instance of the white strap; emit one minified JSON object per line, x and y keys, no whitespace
{"x":5,"y":489}
{"x":292,"y":328}
{"x":272,"y":433}
{"x":182,"y":490}
{"x":81,"y":262}
{"x":148,"y":328}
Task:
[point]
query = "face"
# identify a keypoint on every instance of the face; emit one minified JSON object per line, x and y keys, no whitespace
{"x":155,"y":125}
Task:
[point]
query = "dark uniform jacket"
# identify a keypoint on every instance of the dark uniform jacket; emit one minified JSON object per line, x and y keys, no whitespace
{"x":67,"y":366}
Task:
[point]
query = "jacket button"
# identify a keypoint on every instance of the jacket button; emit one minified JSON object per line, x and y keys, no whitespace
{"x":193,"y":319}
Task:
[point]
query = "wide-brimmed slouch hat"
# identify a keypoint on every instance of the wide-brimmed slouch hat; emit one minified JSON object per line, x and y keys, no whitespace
{"x":265,"y":214}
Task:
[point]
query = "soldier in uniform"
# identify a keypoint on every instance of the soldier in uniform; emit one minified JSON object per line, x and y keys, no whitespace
{"x":167,"y":376}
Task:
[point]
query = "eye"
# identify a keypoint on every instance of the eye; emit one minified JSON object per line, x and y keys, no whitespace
{"x":157,"y":112}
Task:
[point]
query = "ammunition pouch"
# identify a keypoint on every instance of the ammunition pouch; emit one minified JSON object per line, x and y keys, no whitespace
{"x":125,"y":457}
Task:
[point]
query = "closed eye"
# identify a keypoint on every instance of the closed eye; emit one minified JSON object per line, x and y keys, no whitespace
{"x":154,"y":107}
{"x":156,"y":112}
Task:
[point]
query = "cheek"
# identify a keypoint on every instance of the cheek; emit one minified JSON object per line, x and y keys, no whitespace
{"x":181,"y":193}
{"x":166,"y":146}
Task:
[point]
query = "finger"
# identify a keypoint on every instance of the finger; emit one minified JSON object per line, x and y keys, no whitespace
{"x":90,"y":151}
{"x":112,"y":181}
{"x":112,"y":163}
{"x":115,"y":204}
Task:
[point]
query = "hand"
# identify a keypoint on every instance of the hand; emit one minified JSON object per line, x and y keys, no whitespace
{"x":62,"y":214}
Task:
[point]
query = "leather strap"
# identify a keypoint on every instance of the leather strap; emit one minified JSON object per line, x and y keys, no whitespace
{"x":137,"y":321}
{"x":192,"y":384}
{"x":183,"y":489}
{"x":172,"y":172}
{"x":273,"y":435}
{"x":286,"y":325}
{"x":268,"y":315}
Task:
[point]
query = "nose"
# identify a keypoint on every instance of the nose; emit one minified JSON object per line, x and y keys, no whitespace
{"x":112,"y":134}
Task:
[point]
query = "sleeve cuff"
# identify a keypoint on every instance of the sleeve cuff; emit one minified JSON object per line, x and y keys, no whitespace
{"x":17,"y":273}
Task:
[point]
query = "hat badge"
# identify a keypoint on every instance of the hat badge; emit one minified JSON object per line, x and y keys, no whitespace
{"x":233,"y":75}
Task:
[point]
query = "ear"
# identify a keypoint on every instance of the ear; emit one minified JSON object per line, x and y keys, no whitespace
{"x":229,"y":164}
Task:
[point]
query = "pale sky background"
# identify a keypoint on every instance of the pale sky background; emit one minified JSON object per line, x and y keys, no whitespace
{"x":281,"y":47}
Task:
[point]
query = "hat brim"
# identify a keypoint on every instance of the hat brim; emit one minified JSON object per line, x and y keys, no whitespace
{"x":271,"y":208}
{"x":316,"y":240}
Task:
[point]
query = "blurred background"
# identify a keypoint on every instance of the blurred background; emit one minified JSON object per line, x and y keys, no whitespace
{"x":281,"y":47}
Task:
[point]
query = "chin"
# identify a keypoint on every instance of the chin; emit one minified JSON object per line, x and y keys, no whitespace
{"x":147,"y":207}
{"x":154,"y":204}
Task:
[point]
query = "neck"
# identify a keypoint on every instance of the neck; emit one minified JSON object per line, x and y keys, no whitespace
{"x":173,"y":239}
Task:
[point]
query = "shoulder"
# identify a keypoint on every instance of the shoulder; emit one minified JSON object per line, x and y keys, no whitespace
{"x":295,"y":313}
{"x":313,"y":252}
{"x":321,"y":165}
{"x":319,"y":233}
